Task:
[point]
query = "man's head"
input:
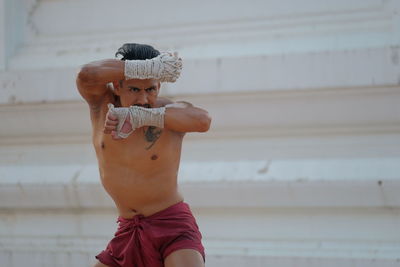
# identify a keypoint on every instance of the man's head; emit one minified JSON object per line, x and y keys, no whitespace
{"x":141,"y":92}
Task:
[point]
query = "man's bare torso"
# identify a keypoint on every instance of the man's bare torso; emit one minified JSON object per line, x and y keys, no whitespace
{"x":139,"y":172}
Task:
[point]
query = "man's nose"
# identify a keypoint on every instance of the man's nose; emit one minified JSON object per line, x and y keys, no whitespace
{"x":142,"y":99}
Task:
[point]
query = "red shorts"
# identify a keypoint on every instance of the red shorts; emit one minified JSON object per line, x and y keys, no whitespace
{"x":147,"y":241}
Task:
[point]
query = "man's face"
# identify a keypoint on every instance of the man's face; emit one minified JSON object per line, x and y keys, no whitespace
{"x":138,"y":92}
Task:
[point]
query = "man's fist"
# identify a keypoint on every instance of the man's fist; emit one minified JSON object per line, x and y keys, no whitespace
{"x":111,"y":124}
{"x":121,"y":122}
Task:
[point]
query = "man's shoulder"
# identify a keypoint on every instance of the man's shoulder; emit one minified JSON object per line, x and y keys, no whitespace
{"x":163,"y":101}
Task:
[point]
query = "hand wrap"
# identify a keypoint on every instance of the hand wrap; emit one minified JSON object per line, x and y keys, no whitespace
{"x":138,"y":117}
{"x":166,"y":67}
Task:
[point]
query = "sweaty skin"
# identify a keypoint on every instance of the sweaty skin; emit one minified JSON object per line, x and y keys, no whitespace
{"x":139,"y":172}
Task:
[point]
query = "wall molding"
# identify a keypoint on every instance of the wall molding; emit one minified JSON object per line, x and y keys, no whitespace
{"x":235,"y":247}
{"x":252,"y":21}
{"x":312,"y":26}
{"x":284,"y":113}
{"x":351,"y":182}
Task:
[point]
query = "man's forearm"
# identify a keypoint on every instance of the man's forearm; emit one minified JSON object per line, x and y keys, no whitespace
{"x":166,"y":67}
{"x":187,"y":119}
{"x":178,"y":117}
{"x":102,"y":72}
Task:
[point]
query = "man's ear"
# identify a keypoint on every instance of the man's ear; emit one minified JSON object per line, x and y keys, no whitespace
{"x":116,"y":86}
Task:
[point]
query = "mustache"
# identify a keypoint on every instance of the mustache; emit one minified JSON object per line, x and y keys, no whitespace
{"x":143,"y":106}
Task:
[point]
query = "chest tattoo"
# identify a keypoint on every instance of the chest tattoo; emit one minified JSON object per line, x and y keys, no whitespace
{"x":152,"y":134}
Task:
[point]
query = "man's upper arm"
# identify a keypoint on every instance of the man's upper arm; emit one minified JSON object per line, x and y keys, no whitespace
{"x":92,"y":92}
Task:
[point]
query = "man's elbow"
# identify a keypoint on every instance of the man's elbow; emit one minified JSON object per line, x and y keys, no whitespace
{"x":204,"y":123}
{"x":86,"y":74}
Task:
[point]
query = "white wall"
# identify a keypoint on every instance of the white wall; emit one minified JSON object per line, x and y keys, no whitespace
{"x":300,"y":168}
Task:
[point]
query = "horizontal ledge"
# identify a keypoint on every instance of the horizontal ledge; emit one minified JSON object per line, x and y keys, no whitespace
{"x":293,"y":113}
{"x":278,"y":183}
{"x":334,"y":249}
{"x":289,"y":194}
{"x":305,"y":248}
{"x":363,"y":67}
{"x":295,"y":194}
{"x":221,"y":132}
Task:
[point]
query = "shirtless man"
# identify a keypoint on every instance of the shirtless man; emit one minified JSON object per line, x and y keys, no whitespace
{"x":139,"y":172}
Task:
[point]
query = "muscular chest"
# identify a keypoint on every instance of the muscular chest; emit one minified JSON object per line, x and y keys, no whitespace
{"x":137,"y":147}
{"x":143,"y":147}
{"x":147,"y":146}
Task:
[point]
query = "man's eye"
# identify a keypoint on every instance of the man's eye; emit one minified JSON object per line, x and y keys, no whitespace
{"x":134,"y":89}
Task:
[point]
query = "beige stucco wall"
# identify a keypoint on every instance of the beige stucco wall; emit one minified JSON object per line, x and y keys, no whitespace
{"x":300,"y":168}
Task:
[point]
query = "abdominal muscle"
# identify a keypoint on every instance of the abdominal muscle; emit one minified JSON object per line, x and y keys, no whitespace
{"x":138,"y":183}
{"x":137,"y":194}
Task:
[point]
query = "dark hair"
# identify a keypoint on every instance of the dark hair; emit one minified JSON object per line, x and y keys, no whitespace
{"x":133,"y":51}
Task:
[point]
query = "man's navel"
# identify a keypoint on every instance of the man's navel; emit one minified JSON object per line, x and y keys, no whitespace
{"x":154,"y":157}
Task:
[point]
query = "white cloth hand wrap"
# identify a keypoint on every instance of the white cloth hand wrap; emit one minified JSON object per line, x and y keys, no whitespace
{"x":166,"y":67}
{"x":138,"y":117}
